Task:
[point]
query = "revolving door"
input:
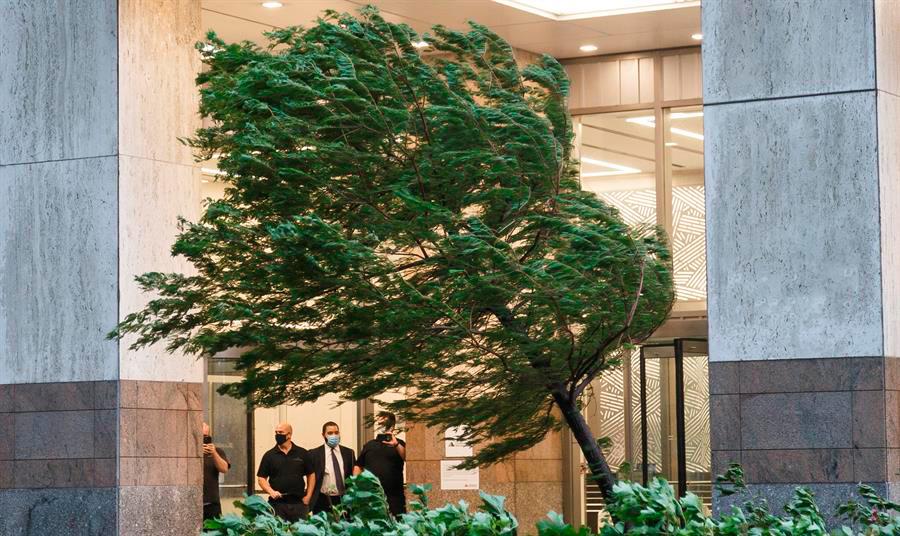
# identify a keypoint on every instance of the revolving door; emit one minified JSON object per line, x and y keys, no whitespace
{"x":670,"y":436}
{"x":654,"y":409}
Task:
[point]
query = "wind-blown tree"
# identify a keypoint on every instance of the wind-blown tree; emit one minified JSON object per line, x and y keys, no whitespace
{"x":394,"y":221}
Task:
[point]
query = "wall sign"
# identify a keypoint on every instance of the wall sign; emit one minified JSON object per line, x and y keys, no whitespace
{"x":457,"y":479}
{"x":453,"y":447}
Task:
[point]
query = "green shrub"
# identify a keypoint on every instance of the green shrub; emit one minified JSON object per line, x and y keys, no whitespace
{"x":365,"y":499}
{"x":652,"y":510}
{"x":655,"y":510}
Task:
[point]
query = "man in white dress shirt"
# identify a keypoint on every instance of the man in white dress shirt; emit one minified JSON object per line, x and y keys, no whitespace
{"x":333,"y":464}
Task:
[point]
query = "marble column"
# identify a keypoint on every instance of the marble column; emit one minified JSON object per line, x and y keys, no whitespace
{"x":802,"y":117}
{"x":95,"y":439}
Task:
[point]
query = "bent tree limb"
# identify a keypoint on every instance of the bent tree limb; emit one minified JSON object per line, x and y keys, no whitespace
{"x":600,"y":470}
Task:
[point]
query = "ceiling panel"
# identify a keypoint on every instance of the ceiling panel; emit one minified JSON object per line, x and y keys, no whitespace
{"x":454,"y":13}
{"x":246,"y":19}
{"x":542,"y":33}
{"x":655,"y":21}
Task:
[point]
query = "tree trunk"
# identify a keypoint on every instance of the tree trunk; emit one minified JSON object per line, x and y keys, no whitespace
{"x":600,"y":470}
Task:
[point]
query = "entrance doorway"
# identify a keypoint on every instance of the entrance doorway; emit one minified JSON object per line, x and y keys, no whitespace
{"x":673,"y":415}
{"x":655,"y":412}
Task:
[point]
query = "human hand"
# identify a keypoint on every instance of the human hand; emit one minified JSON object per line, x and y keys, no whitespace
{"x":393,"y":442}
{"x":209,"y":448}
{"x":306,"y":501}
{"x":275,"y":494}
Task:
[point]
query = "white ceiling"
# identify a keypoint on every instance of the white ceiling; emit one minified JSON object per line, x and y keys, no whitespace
{"x":237,"y":20}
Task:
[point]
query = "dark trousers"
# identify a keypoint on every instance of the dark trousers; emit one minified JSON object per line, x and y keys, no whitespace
{"x":396,"y":503}
{"x":324,"y":503}
{"x":212,"y":510}
{"x":289,"y":510}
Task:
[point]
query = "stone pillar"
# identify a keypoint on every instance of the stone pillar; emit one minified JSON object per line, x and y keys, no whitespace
{"x":802,"y":117}
{"x":95,"y":439}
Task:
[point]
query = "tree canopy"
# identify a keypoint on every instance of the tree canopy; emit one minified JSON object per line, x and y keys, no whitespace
{"x":400,"y":220}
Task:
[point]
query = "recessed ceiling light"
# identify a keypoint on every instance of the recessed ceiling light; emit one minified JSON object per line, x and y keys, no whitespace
{"x":272,"y":5}
{"x":587,"y":48}
{"x":420,"y":44}
{"x":671,"y":144}
{"x":697,"y":37}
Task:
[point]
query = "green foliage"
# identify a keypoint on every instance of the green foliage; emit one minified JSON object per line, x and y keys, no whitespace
{"x":392,"y":221}
{"x":655,"y":510}
{"x":365,"y":499}
{"x":652,"y":510}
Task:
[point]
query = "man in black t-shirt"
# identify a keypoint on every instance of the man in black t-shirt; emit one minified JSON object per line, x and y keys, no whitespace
{"x":214,"y":462}
{"x":281,"y":473}
{"x":384,"y":456}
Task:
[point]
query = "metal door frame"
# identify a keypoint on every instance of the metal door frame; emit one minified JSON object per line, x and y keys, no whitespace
{"x":680,"y":441}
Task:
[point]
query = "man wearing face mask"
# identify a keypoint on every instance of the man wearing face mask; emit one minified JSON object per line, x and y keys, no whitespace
{"x":214,"y":463}
{"x":281,"y":473}
{"x":384,"y":456}
{"x":333,"y":464}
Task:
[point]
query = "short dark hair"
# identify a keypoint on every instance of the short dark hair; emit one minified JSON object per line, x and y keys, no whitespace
{"x":390,"y":420}
{"x":329,"y":423}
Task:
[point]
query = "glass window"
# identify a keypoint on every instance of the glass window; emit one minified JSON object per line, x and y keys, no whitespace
{"x":228,"y":420}
{"x":618,"y":162}
{"x":619,"y":153}
{"x":684,"y":156}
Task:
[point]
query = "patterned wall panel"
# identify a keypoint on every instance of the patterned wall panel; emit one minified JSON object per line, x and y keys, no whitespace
{"x":638,"y":207}
{"x":611,"y":398}
{"x":696,"y":414}
{"x":689,"y":242}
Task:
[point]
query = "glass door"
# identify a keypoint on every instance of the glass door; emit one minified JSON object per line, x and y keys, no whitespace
{"x":231,"y":420}
{"x":672,"y":414}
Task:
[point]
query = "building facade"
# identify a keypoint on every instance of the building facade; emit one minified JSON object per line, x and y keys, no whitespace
{"x":769,"y":157}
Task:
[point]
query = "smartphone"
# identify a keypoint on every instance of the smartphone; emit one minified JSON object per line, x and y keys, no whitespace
{"x":383,"y":437}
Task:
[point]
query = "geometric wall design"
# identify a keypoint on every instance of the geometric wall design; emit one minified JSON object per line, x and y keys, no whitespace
{"x":637,"y":207}
{"x":696,"y":414}
{"x":689,"y":242}
{"x":611,"y":406}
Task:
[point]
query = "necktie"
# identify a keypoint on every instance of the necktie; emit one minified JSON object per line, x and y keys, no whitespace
{"x":338,"y":477}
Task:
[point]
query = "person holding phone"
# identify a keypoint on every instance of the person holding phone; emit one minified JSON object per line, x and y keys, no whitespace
{"x":214,"y":463}
{"x":384,"y":457}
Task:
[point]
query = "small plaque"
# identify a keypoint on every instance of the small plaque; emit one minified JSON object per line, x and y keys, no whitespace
{"x":453,"y":447}
{"x":457,"y":479}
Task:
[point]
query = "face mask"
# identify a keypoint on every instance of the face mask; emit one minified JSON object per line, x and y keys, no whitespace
{"x":333,"y":440}
{"x":207,"y":440}
{"x":280,"y":438}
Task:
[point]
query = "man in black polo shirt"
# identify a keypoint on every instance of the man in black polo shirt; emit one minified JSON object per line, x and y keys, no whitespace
{"x":281,"y":473}
{"x":384,"y":457}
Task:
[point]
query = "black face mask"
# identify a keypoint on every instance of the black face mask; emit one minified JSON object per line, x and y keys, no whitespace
{"x":280,"y":438}
{"x":207,"y":440}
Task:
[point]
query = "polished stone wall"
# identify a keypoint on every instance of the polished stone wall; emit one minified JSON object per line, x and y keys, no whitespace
{"x":95,"y":438}
{"x":531,"y":481}
{"x":801,"y":120}
{"x":131,"y":450}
